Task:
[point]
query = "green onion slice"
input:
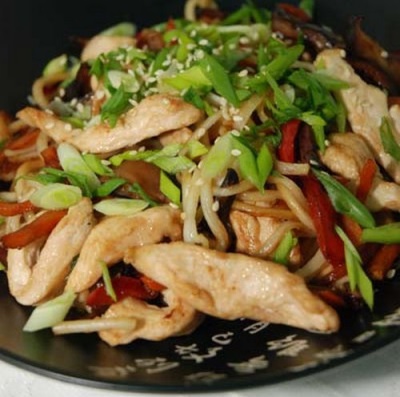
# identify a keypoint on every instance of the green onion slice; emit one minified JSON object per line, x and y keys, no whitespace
{"x":56,"y":196}
{"x":50,"y":313}
{"x":120,"y":206}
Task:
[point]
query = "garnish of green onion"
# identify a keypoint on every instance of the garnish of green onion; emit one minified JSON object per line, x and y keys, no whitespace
{"x":107,"y":281}
{"x":121,"y":29}
{"x":357,"y":277}
{"x":56,"y":65}
{"x":169,"y":189}
{"x":389,"y":142}
{"x":386,"y":234}
{"x":50,"y":313}
{"x":109,"y":186}
{"x":56,"y":196}
{"x":120,"y":206}
{"x":219,"y":78}
{"x":96,"y":165}
{"x":127,"y":81}
{"x":72,"y":161}
{"x":284,"y":248}
{"x":344,"y":201}
{"x":218,"y":158}
{"x":193,"y":77}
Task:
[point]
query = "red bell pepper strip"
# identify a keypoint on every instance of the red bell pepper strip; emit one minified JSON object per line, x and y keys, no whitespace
{"x":324,"y":218}
{"x":286,"y":150}
{"x":40,"y":227}
{"x":367,"y":175}
{"x":11,"y":209}
{"x":123,"y":286}
{"x":29,"y":138}
{"x":383,"y":260}
{"x":50,"y":157}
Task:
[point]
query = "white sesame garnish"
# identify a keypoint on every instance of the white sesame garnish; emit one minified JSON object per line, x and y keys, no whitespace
{"x":243,"y":73}
{"x":191,"y":46}
{"x":199,"y":54}
{"x":237,"y":118}
{"x":235,"y":133}
{"x":391,"y":273}
{"x":183,"y":216}
{"x":133,"y":102}
{"x":151,"y":80}
{"x":100,"y":94}
{"x":174,"y":206}
{"x":204,"y":42}
{"x":80,"y":108}
{"x":166,"y":101}
{"x":384,"y":54}
{"x":49,"y":126}
{"x":342,"y":53}
{"x":49,"y":111}
{"x":244,"y":40}
{"x":215,"y":206}
{"x":236,"y":152}
{"x":68,"y":127}
{"x":142,"y":149}
{"x":74,"y":102}
{"x":61,"y":92}
{"x":199,"y":182}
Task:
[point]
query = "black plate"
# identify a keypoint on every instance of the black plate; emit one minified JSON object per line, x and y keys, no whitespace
{"x":220,"y":354}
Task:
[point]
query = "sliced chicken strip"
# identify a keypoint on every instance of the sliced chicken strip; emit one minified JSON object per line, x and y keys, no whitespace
{"x":109,"y":240}
{"x":153,"y":322}
{"x":34,"y":274}
{"x":231,"y":286}
{"x":365,"y":105}
{"x":153,"y":116}
{"x":103,"y":44}
{"x":346,"y":155}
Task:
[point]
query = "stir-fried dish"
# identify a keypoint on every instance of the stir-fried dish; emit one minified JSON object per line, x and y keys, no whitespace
{"x":242,"y":165}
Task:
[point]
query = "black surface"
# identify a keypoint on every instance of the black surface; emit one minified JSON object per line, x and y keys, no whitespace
{"x":31,"y":32}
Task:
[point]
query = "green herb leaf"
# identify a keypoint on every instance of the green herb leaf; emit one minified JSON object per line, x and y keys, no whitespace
{"x":284,"y":248}
{"x":136,"y":188}
{"x":117,"y":104}
{"x":120,"y":206}
{"x":56,"y":196}
{"x":106,"y":188}
{"x":357,"y":277}
{"x":107,"y":281}
{"x":389,"y":142}
{"x":386,"y":234}
{"x":219,"y":78}
{"x":169,"y":189}
{"x":344,"y":201}
{"x":50,"y":313}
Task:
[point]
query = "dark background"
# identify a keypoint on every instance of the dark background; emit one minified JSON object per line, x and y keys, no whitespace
{"x":34,"y":31}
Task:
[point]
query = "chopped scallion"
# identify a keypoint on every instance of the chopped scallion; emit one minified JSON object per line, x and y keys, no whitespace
{"x":56,"y":196}
{"x":120,"y":206}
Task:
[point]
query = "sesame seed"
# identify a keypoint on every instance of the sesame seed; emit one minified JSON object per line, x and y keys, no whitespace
{"x":80,"y":108}
{"x":142,"y":149}
{"x":100,"y":94}
{"x":49,"y":111}
{"x":199,"y":54}
{"x":199,"y":182}
{"x":131,"y":72}
{"x":166,"y":101}
{"x":68,"y":127}
{"x":105,"y":162}
{"x":49,"y":126}
{"x":235,"y":133}
{"x":166,"y":63}
{"x":236,"y":152}
{"x":133,"y":102}
{"x":152,"y":80}
{"x":193,"y":33}
{"x":237,"y":118}
{"x":74,"y":102}
{"x":174,"y":206}
{"x":342,"y":53}
{"x":384,"y":54}
{"x":62,"y":92}
{"x":215,"y":206}
{"x":243,"y":73}
{"x":191,"y":46}
{"x":391,"y":273}
{"x":204,"y":42}
{"x":183,"y":216}
{"x":244,"y":40}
